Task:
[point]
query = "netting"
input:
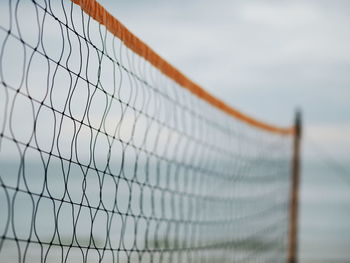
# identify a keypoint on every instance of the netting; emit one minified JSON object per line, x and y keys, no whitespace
{"x":105,"y":159}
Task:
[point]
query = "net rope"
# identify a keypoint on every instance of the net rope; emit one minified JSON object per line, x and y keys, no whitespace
{"x":106,"y":159}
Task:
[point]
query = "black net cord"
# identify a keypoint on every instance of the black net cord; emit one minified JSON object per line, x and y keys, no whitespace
{"x":105,"y":159}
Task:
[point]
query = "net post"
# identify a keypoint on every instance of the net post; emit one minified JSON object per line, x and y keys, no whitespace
{"x":294,"y":193}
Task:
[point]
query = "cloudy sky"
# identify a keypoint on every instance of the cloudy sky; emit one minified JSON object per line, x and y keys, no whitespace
{"x":263,"y":57}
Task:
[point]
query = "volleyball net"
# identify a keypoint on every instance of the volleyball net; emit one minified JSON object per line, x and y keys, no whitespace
{"x":110,"y":154}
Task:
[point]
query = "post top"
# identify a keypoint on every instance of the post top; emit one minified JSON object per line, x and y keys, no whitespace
{"x":298,"y":123}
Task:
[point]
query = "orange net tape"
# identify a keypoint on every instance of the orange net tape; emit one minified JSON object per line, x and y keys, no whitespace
{"x":100,"y":14}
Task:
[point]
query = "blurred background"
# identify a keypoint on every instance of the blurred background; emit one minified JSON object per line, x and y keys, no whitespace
{"x":266,"y":58}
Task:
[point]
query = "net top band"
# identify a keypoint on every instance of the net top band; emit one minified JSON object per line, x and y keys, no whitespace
{"x":101,"y":15}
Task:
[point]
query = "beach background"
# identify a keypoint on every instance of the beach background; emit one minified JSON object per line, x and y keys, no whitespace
{"x":265,"y":58}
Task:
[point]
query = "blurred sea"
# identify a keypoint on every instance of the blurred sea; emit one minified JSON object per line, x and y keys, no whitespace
{"x":324,"y":213}
{"x":324,"y":228}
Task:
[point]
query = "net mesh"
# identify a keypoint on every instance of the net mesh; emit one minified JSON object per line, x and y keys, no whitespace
{"x":105,"y":159}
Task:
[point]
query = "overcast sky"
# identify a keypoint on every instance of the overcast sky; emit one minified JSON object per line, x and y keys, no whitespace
{"x":262,"y":57}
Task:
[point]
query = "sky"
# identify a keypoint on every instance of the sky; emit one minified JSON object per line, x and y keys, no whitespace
{"x":265,"y":58}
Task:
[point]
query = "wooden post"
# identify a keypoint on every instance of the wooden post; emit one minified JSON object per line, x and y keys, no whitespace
{"x":294,"y":193}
